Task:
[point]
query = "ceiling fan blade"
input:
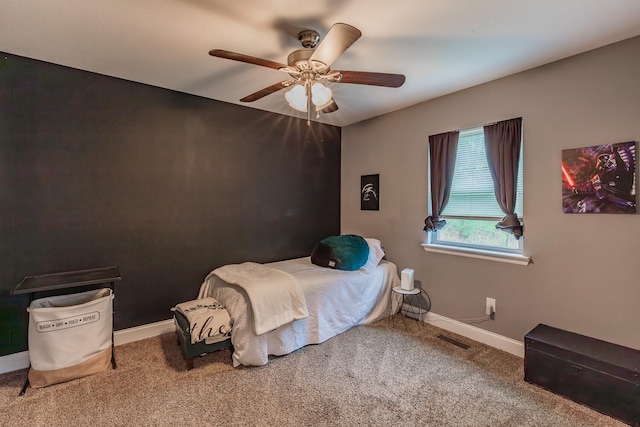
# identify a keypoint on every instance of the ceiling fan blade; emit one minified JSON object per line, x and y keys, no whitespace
{"x":331,"y":107}
{"x":373,"y":79}
{"x":246,"y":58}
{"x":339,"y":38}
{"x":264,"y":92}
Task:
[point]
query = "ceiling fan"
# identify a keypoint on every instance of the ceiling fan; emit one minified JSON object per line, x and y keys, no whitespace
{"x":309,"y":66}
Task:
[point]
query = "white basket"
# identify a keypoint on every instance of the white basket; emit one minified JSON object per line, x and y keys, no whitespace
{"x":70,"y":336}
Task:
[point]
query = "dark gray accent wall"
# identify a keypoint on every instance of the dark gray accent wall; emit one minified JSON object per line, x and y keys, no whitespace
{"x":96,"y":171}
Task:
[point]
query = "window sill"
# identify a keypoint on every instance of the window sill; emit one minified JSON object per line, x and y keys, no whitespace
{"x":478,"y":253}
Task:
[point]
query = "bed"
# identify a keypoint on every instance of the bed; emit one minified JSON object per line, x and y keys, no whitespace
{"x":336,"y":300}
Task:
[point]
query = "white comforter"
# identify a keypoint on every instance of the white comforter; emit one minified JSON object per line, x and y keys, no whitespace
{"x":274,"y":295}
{"x":336,"y":301}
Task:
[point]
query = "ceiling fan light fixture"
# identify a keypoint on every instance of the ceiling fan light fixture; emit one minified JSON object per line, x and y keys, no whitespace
{"x":297,"y":98}
{"x":321,"y":96}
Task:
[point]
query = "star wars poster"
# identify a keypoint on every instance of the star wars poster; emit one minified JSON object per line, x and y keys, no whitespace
{"x":599,"y":179}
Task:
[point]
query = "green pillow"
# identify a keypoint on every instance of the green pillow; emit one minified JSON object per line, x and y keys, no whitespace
{"x":347,"y":252}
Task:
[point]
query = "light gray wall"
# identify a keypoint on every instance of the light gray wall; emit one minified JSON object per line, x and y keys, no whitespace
{"x":584,"y":272}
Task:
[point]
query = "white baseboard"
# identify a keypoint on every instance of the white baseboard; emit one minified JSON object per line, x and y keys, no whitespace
{"x":13,"y":362}
{"x":472,"y":332}
{"x":142,"y":332}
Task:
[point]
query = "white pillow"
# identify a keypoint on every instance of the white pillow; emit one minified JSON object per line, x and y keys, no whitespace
{"x":376,"y":253}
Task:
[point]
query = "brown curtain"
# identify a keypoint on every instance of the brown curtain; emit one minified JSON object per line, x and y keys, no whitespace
{"x":442,"y":152}
{"x":502,"y":144}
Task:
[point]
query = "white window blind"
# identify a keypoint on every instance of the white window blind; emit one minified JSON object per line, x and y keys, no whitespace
{"x":472,"y":194}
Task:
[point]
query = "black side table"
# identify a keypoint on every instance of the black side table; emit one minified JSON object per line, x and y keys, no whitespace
{"x":65,"y":280}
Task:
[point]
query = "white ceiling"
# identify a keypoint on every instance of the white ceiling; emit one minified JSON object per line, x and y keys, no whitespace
{"x":441,"y":46}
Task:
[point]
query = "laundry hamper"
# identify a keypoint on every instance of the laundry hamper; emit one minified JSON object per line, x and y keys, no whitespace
{"x":70,"y":336}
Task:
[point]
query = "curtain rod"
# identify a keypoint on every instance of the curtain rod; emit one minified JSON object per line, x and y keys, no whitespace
{"x":486,"y":124}
{"x":477,"y":126}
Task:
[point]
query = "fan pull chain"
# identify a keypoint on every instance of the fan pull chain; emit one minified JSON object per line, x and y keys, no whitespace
{"x":307,"y":86}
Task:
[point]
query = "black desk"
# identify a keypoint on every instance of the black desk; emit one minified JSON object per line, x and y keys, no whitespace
{"x":70,"y":279}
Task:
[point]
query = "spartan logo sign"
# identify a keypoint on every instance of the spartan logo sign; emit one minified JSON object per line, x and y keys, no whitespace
{"x":370,"y":192}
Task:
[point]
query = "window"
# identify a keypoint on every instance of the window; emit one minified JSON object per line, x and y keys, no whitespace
{"x":472,"y":211}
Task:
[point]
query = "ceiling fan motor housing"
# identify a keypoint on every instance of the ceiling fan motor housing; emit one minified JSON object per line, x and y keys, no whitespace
{"x":299,"y":60}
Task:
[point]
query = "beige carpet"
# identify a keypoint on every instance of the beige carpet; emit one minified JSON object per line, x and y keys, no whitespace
{"x":369,"y":376}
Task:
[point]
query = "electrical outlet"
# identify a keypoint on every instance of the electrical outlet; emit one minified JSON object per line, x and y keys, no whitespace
{"x":491,"y":303}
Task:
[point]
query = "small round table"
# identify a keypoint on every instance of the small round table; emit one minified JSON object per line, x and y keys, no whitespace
{"x":413,"y":298}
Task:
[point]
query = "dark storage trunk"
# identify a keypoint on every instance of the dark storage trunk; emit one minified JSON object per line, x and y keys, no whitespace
{"x":601,"y":375}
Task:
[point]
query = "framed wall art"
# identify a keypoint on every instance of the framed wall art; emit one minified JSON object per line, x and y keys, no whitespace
{"x":370,"y":192}
{"x":599,"y":179}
